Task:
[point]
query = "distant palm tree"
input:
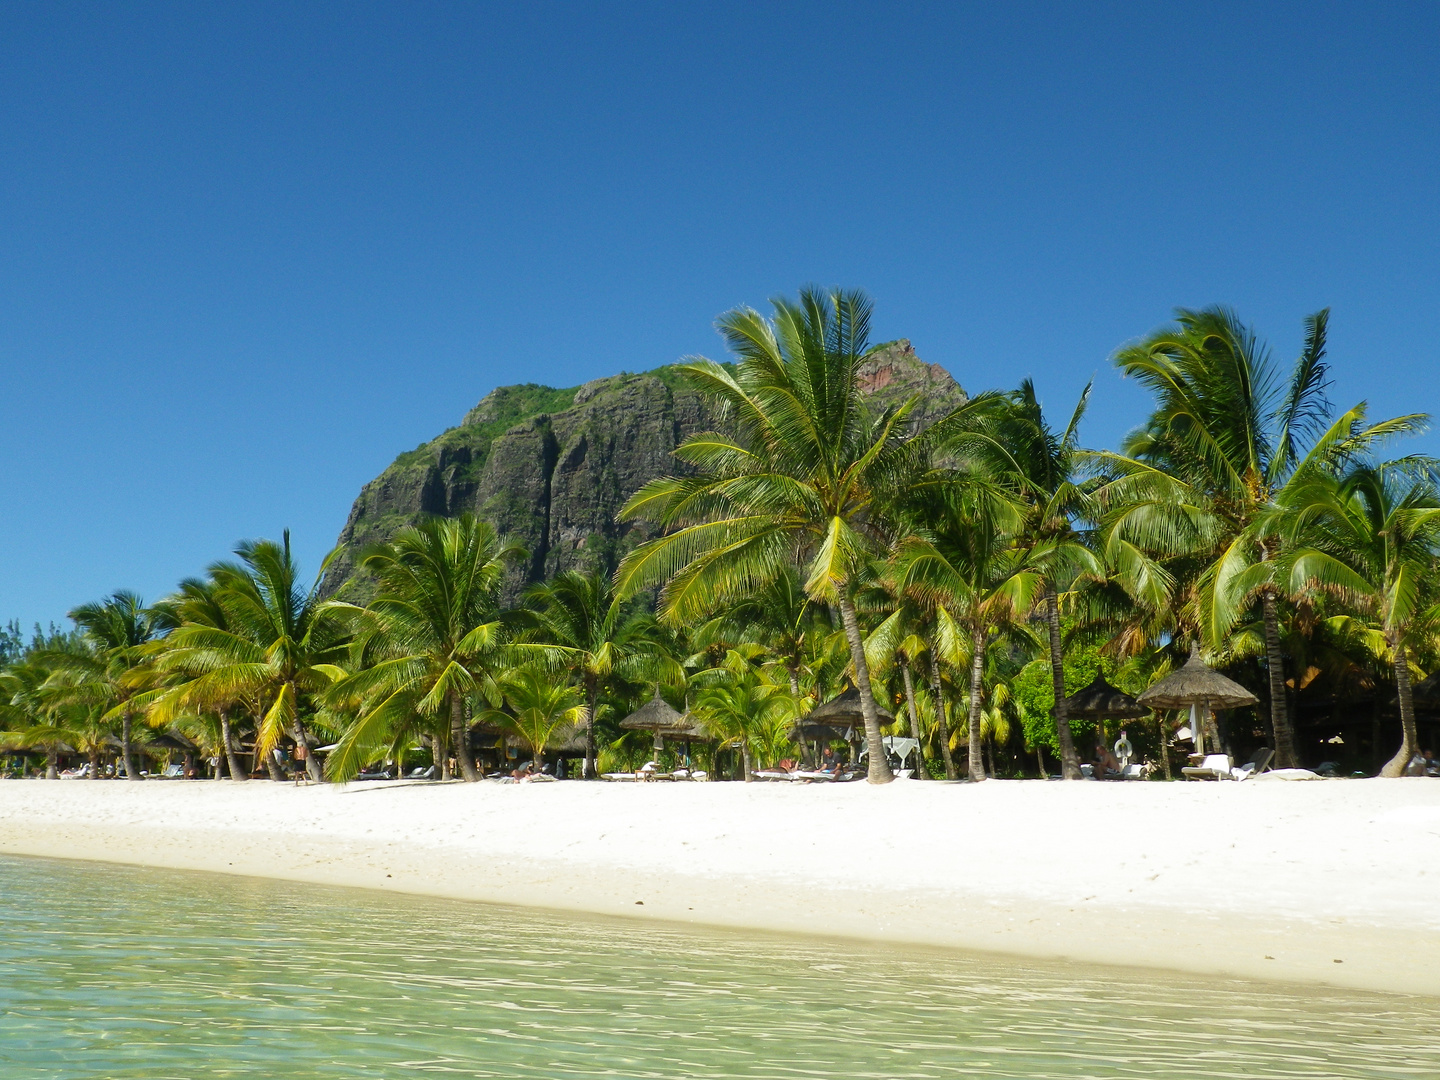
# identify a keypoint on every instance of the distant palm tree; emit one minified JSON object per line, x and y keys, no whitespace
{"x":112,"y":672}
{"x":899,"y":640}
{"x":196,"y":603}
{"x":805,"y":479}
{"x":1227,"y":434}
{"x":595,"y":636}
{"x":433,"y":637}
{"x":970,"y":571}
{"x":539,"y":707}
{"x":1046,"y":468}
{"x":1373,"y":538}
{"x":281,"y":646}
{"x":34,"y":718}
{"x":744,"y":709}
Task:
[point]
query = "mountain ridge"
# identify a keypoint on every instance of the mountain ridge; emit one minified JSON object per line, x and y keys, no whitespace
{"x":551,"y":467}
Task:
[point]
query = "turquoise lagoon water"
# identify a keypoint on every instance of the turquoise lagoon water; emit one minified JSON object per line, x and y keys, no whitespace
{"x":117,"y":972}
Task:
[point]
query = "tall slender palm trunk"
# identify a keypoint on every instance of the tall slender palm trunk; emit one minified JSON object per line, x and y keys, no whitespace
{"x":127,"y":756}
{"x":95,"y":762}
{"x":1409,"y":738}
{"x":232,"y":756}
{"x":937,"y":691}
{"x":439,"y":757}
{"x":878,"y":771}
{"x":914,"y":718}
{"x":1280,"y":729}
{"x":1069,"y":759}
{"x":592,"y":702}
{"x":795,"y":694}
{"x":460,"y":740}
{"x":977,"y":674}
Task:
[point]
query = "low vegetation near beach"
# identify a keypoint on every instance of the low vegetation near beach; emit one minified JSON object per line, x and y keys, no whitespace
{"x":960,"y":577}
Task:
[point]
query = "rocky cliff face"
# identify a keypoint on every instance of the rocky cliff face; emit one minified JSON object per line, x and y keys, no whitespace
{"x":551,"y":468}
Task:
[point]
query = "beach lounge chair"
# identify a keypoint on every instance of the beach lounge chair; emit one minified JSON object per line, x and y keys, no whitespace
{"x":1214,"y":767}
{"x":1256,"y":766}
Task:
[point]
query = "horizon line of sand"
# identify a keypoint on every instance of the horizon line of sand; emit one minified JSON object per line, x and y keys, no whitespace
{"x":1333,"y":882}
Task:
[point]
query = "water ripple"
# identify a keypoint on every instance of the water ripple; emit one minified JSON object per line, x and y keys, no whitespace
{"x":122,"y":973}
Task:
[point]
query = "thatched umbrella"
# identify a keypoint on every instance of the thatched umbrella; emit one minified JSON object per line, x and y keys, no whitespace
{"x":843,"y":710}
{"x":656,"y":715}
{"x":1101,"y":701}
{"x":1197,"y":686}
{"x":843,"y":714}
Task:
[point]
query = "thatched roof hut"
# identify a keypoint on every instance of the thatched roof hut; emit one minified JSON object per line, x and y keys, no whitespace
{"x":1101,"y":701}
{"x":843,"y":710}
{"x":1196,"y":684}
{"x":656,"y":715}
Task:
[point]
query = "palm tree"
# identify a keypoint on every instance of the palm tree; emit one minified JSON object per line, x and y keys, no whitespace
{"x":112,"y":671}
{"x":196,"y":603}
{"x":743,"y":708}
{"x":1046,"y":467}
{"x":595,"y":635}
{"x":899,"y":640}
{"x":975,"y":577}
{"x":33,"y":714}
{"x":281,"y":647}
{"x":1373,"y":538}
{"x":539,"y":707}
{"x":1226,"y":435}
{"x":804,"y":480}
{"x":433,"y":634}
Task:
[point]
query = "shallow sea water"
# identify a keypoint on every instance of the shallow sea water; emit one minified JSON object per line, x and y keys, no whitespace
{"x":118,"y":972}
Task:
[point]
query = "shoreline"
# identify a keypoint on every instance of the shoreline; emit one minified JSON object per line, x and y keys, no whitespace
{"x":1272,"y":881}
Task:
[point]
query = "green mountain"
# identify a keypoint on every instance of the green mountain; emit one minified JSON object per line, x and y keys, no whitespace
{"x":552,"y":467}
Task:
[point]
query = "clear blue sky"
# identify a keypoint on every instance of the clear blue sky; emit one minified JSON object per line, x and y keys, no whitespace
{"x":249,"y":253}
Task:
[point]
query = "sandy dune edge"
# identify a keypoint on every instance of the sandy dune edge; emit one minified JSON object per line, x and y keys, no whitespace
{"x":1273,"y":881}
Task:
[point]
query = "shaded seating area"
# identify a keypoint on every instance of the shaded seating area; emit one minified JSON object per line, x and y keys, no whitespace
{"x":1202,"y":690}
{"x":1101,"y":702}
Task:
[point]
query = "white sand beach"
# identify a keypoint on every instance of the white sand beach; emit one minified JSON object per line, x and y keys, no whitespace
{"x":1326,"y":882}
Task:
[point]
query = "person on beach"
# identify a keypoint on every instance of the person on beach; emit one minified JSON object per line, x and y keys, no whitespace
{"x":1106,"y":763}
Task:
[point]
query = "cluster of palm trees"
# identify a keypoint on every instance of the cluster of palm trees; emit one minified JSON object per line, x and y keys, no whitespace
{"x":960,"y":576}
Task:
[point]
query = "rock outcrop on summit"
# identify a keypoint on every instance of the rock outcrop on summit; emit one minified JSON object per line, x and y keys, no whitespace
{"x":551,"y":468}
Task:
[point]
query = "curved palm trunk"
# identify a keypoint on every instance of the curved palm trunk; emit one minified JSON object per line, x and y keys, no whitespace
{"x":937,"y":691}
{"x":127,"y":756}
{"x":1069,"y":758}
{"x":232,"y":756}
{"x":592,"y":701}
{"x":297,"y":732}
{"x":878,"y":771}
{"x":95,"y":762}
{"x":460,"y":739}
{"x":1409,"y":739}
{"x":977,"y":673}
{"x":1280,"y":729}
{"x":914,"y":719}
{"x":312,"y":765}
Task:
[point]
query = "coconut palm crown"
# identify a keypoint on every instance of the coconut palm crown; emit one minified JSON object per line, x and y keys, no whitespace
{"x":803,"y":480}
